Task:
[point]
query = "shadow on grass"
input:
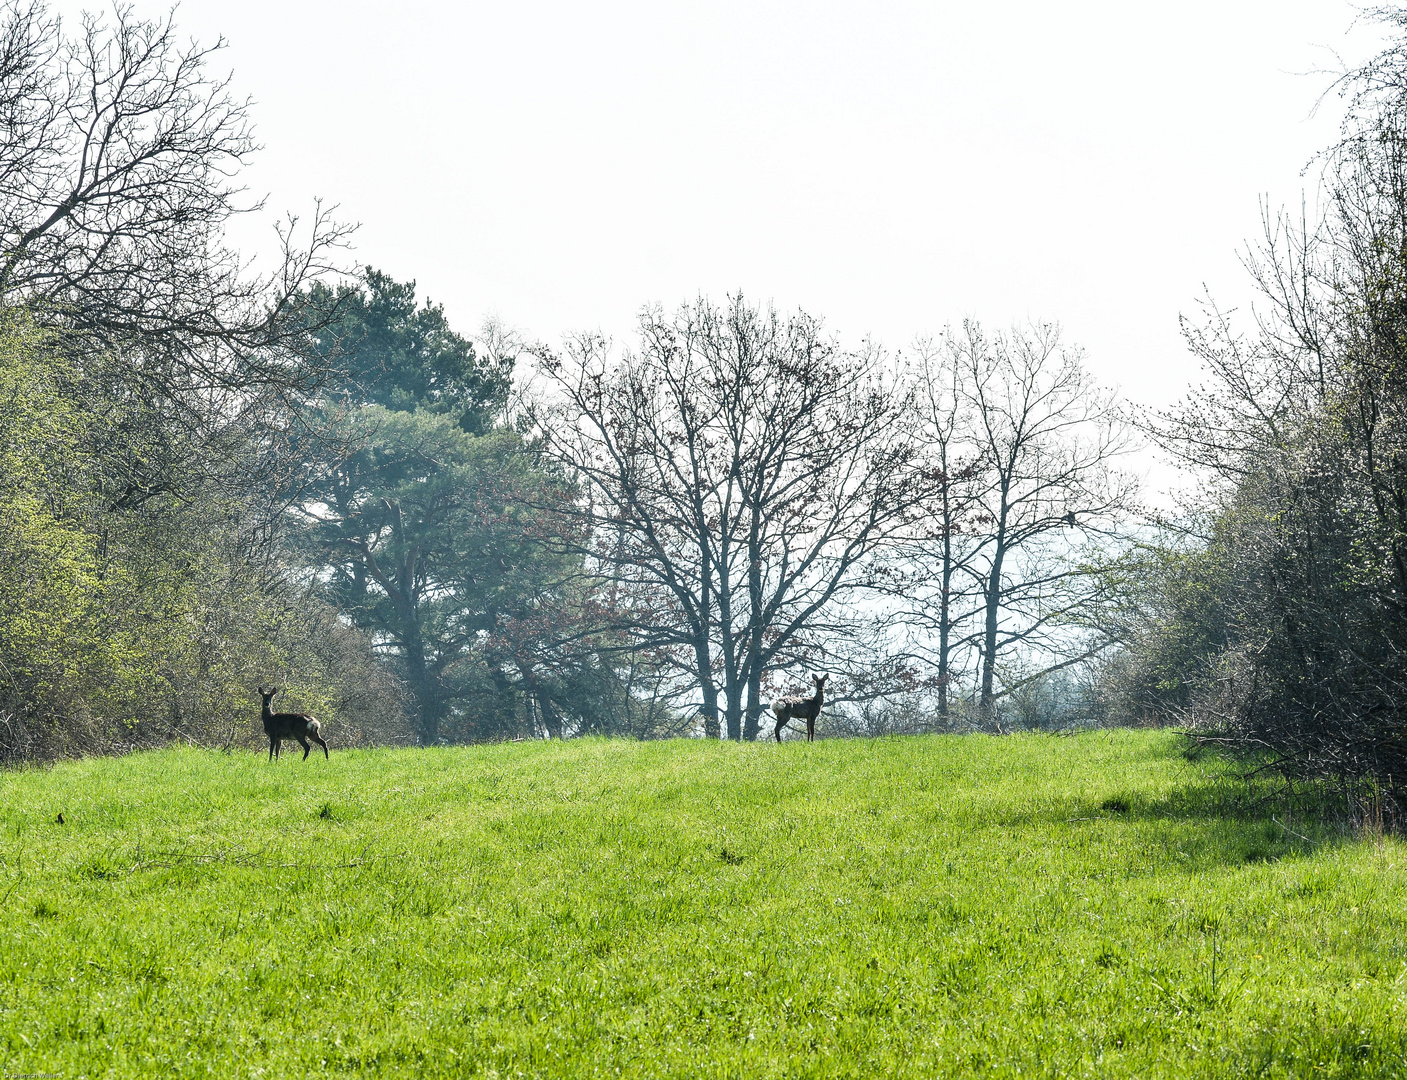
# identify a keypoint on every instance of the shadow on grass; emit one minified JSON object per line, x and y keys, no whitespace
{"x":1225,"y":817}
{"x":1232,"y":822}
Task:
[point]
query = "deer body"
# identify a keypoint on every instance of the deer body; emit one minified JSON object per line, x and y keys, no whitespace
{"x":802,"y":708}
{"x":288,"y":725}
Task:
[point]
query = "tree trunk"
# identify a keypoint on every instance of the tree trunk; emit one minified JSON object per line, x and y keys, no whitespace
{"x":989,"y":641}
{"x":551,"y":718}
{"x":945,"y":608}
{"x":752,"y":722}
{"x":712,"y":728}
{"x":755,"y":627}
{"x":422,"y":685}
{"x":703,"y":652}
{"x":735,"y":709}
{"x":732,"y":683}
{"x":993,"y":598}
{"x":708,"y":688}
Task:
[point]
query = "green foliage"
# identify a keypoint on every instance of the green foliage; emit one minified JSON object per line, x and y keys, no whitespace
{"x":385,"y":350}
{"x":48,"y":630}
{"x":1298,"y":431}
{"x":429,"y":528}
{"x":440,"y":544}
{"x":206,"y":625}
{"x":123,"y":625}
{"x":1168,"y":611}
{"x":1091,"y":906}
{"x":51,"y":637}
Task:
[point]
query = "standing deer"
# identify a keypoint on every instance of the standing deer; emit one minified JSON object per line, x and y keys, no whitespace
{"x":807,"y":708}
{"x":289,"y":725}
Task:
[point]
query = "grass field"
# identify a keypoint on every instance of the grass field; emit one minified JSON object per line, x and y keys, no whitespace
{"x":1034,"y":906}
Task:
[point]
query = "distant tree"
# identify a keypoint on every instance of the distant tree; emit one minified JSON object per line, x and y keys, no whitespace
{"x":383,"y":349}
{"x":1170,"y":615}
{"x":937,"y":583}
{"x":429,"y":527}
{"x":1026,"y":447}
{"x":430,"y":539}
{"x":741,"y":477}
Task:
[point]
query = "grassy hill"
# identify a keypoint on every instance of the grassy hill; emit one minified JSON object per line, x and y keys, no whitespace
{"x":1088,"y":906}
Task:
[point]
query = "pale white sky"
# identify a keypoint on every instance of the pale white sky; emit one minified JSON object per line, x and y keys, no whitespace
{"x":890,"y":166}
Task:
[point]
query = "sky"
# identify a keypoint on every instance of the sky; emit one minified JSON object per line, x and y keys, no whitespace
{"x":892,"y":167}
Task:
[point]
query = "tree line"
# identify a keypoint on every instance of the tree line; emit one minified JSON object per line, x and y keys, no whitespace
{"x":215,"y":480}
{"x":761,"y":502}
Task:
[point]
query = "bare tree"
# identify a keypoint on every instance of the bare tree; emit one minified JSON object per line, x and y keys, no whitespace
{"x":1026,"y":447}
{"x":118,"y":152}
{"x":937,"y":581}
{"x":119,"y":157}
{"x":742,"y":479}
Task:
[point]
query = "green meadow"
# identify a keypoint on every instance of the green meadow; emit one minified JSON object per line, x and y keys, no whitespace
{"x":1097,"y":905}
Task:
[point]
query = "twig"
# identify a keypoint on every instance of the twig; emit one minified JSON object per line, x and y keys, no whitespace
{"x":1291,"y":831}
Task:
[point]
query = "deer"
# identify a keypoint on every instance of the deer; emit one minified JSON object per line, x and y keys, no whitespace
{"x":807,"y":708}
{"x":289,"y":725}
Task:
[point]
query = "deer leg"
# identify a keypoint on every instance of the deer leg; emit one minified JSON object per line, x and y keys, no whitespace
{"x":271,"y":749}
{"x":320,"y":741}
{"x":777,"y":731}
{"x":810,"y":729}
